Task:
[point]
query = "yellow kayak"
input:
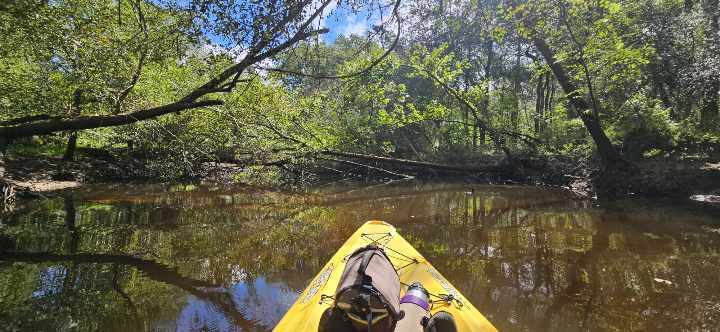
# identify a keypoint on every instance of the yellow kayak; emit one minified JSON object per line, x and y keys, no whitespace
{"x":305,"y":313}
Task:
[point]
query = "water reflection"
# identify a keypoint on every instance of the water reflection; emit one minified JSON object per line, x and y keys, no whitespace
{"x":160,"y":258}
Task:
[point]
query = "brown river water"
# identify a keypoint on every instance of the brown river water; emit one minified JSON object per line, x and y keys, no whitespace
{"x":204,"y":258}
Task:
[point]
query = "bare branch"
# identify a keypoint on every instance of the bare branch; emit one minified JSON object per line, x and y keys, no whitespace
{"x":254,"y":56}
{"x":141,"y":61}
{"x":581,"y":59}
{"x":404,"y":176}
{"x":358,"y":73}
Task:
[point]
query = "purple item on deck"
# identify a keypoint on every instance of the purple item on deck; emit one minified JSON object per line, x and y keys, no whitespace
{"x":409,"y":298}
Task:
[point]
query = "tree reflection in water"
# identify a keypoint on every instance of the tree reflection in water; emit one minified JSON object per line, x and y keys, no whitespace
{"x":203,"y":258}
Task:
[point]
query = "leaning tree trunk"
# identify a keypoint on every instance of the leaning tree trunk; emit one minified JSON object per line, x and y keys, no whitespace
{"x":615,"y":178}
{"x":608,"y":154}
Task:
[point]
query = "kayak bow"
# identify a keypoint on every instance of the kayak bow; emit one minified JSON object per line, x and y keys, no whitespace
{"x":305,"y":314}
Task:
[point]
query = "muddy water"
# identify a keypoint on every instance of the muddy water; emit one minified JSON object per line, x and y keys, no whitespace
{"x":166,"y":258}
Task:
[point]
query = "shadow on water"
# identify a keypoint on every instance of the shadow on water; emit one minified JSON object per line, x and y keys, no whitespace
{"x":162,"y":258}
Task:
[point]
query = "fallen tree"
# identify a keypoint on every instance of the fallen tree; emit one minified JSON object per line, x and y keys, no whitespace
{"x":415,"y":163}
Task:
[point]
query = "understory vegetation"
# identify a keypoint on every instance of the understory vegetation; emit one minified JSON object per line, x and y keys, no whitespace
{"x":432,"y":87}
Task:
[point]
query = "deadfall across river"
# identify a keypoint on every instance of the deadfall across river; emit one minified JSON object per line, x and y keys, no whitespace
{"x":153,"y":257}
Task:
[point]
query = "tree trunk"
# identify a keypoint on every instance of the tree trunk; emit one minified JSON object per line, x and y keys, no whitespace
{"x":485,"y":104}
{"x":98,"y":121}
{"x":709,"y":109}
{"x":608,"y":154}
{"x":72,"y":140}
{"x":539,"y":103}
{"x":70,"y":148}
{"x":475,"y":137}
{"x":550,"y":94}
{"x":466,"y":115}
{"x":515,"y":111}
{"x":711,"y":88}
{"x":616,"y":175}
{"x":24,"y":119}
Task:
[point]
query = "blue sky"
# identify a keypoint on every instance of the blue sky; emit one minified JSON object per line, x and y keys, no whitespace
{"x":344,"y":22}
{"x":339,"y":20}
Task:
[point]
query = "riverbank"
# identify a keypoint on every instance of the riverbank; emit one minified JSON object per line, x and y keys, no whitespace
{"x":41,"y":176}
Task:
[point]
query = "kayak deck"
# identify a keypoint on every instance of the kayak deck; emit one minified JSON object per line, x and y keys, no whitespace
{"x":305,"y":314}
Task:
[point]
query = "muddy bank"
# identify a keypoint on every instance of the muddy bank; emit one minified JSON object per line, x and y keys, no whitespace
{"x":43,"y":176}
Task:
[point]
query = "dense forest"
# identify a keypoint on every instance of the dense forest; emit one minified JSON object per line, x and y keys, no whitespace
{"x":624,"y":93}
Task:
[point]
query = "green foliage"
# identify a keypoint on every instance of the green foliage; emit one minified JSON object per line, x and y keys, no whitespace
{"x":47,"y":146}
{"x":95,"y":47}
{"x":465,"y":81}
{"x":261,"y":176}
{"x":438,"y":63}
{"x":643,"y":124}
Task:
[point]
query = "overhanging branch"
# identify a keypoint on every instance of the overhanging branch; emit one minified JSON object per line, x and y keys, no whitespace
{"x":98,"y":121}
{"x":357,"y":73}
